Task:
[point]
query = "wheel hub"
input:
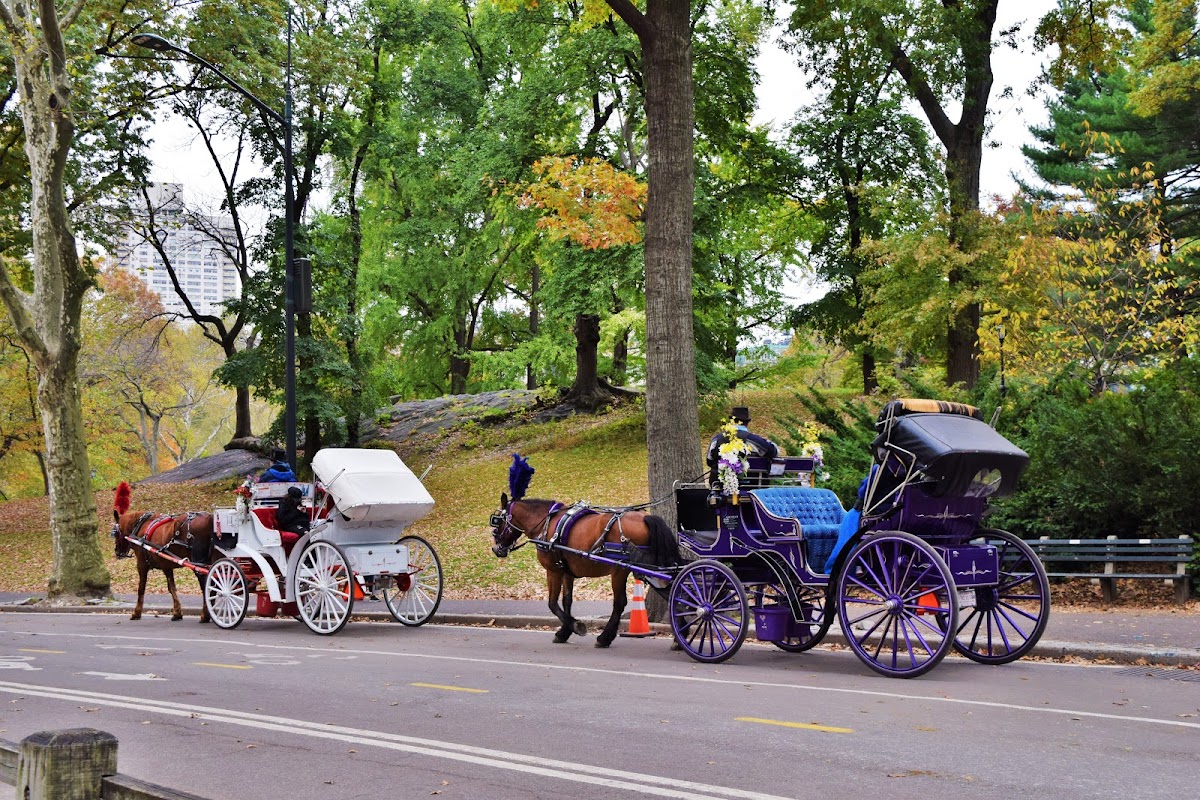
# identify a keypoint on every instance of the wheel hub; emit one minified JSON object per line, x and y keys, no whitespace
{"x":894,"y":605}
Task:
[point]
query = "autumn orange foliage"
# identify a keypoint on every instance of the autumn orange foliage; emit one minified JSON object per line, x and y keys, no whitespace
{"x":588,"y":201}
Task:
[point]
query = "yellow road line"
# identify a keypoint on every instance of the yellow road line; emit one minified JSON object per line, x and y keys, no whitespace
{"x":449,"y":688}
{"x":31,"y":650}
{"x":809,"y":726}
{"x":222,"y":666}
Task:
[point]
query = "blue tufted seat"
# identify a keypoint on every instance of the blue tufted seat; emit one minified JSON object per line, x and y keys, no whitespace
{"x":818,"y":511}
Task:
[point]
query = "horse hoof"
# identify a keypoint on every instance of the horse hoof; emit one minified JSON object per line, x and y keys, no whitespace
{"x":204,"y":620}
{"x":175,"y":618}
{"x":135,"y":617}
{"x":602,"y":644}
{"x":560,"y":639}
{"x":579,"y":628}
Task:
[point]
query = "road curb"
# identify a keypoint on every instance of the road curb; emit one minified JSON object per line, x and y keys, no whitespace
{"x":1054,"y":650}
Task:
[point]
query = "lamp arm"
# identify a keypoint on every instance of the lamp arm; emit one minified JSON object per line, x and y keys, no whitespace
{"x":243,"y":91}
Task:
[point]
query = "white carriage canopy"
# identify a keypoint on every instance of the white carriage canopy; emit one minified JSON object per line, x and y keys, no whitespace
{"x":372,"y":485}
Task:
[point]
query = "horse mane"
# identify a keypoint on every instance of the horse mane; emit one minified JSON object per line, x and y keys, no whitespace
{"x":121,"y":501}
{"x":519,"y":475}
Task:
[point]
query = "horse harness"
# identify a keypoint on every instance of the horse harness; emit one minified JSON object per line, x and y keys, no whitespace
{"x":151,"y":523}
{"x":554,"y":543}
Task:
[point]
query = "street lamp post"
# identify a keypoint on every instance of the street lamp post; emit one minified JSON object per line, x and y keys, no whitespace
{"x":159,"y":44}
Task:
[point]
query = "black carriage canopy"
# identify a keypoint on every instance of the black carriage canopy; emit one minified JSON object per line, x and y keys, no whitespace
{"x":960,"y":454}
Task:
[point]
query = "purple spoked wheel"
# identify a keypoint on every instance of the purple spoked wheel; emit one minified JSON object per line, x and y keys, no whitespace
{"x":812,"y":623}
{"x":1007,"y":619}
{"x":709,"y":611}
{"x":896,"y":600}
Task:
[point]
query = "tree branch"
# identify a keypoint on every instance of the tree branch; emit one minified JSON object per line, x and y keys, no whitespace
{"x":17,"y":303}
{"x":632,"y":17}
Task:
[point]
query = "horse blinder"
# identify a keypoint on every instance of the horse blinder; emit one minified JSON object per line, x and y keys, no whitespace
{"x":501,"y":523}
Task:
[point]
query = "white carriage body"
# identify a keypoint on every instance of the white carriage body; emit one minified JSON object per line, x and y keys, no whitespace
{"x":365,"y":499}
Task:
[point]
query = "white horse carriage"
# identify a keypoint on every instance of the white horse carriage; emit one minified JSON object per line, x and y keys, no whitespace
{"x":360,"y":504}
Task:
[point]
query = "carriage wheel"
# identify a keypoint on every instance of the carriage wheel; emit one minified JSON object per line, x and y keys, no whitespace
{"x":324,"y":588}
{"x":225,"y":594}
{"x":1008,"y":619}
{"x":896,"y":600}
{"x":709,"y":612}
{"x":812,"y":625}
{"x":413,"y":598}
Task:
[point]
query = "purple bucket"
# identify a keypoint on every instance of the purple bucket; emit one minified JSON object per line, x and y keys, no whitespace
{"x":774,"y":624}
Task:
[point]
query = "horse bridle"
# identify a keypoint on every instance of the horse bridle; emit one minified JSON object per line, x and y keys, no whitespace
{"x":504,"y":521}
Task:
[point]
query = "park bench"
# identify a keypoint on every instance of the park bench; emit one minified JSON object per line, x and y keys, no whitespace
{"x":1098,"y":559}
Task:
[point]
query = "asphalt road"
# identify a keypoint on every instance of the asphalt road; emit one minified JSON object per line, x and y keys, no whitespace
{"x":272,"y":711}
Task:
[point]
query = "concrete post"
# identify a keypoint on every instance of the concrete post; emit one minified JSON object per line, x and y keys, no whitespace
{"x":65,"y":765}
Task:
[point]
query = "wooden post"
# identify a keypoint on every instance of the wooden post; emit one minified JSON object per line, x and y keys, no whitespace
{"x":1183,"y":580}
{"x":65,"y":765}
{"x":1108,"y":586}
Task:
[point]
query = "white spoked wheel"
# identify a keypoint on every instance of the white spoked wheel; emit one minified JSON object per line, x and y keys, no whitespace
{"x":225,"y":594}
{"x":324,"y":588}
{"x":413,"y":598}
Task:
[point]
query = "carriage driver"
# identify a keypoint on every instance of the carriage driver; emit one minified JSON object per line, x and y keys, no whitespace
{"x":279,"y":471}
{"x":758,"y":445}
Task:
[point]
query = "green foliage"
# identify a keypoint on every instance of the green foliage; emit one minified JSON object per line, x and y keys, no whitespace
{"x":848,"y":429}
{"x":1123,"y":462}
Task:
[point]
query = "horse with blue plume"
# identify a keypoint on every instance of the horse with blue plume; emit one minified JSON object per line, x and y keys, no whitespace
{"x":561,"y":532}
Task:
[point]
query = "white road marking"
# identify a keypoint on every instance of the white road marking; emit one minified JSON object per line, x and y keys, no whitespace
{"x":500,"y":759}
{"x":18,"y":662}
{"x":121,"y":676}
{"x":131,"y":647}
{"x":1174,"y":723}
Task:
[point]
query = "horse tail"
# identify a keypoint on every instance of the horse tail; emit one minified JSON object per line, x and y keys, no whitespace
{"x":121,"y":501}
{"x":664,"y":544}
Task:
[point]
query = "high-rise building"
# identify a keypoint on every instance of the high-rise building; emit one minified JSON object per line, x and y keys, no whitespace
{"x":192,"y":243}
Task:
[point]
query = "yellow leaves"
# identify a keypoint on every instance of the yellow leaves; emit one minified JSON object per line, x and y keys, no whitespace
{"x":587,"y":201}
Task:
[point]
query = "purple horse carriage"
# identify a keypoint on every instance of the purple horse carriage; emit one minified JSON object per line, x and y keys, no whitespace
{"x":910,"y":573}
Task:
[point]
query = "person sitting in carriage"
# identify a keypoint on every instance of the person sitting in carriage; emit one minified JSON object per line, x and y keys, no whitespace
{"x":291,"y":518}
{"x":279,"y":471}
{"x":758,"y":446}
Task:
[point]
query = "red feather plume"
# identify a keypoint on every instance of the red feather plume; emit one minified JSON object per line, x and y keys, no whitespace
{"x":121,"y":503}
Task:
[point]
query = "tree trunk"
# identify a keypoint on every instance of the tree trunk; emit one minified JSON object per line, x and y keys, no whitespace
{"x":460,"y":369}
{"x":586,"y":391}
{"x":241,"y":405}
{"x":672,"y":405}
{"x":620,"y":359}
{"x":534,"y":321}
{"x":963,"y":164}
{"x":78,"y":566}
{"x":48,"y":320}
{"x":870,"y":380}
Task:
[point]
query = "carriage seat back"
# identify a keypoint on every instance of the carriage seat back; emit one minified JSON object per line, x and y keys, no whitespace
{"x":818,"y":511}
{"x":266,"y":515}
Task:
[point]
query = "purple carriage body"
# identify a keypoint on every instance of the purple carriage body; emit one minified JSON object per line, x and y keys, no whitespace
{"x":899,"y":572}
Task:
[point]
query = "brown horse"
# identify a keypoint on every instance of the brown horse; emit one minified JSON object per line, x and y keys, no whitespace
{"x":185,"y":537}
{"x":643,"y":538}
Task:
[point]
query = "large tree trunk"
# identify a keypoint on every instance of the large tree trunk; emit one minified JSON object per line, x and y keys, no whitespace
{"x":672,"y":405}
{"x":48,"y":320}
{"x":78,"y":565}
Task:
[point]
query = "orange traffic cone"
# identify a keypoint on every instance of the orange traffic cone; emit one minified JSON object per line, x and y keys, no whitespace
{"x":927,"y":603}
{"x":639,"y":623}
{"x":356,"y":589}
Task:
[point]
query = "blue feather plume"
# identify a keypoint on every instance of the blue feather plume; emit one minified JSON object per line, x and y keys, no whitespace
{"x":519,"y":475}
